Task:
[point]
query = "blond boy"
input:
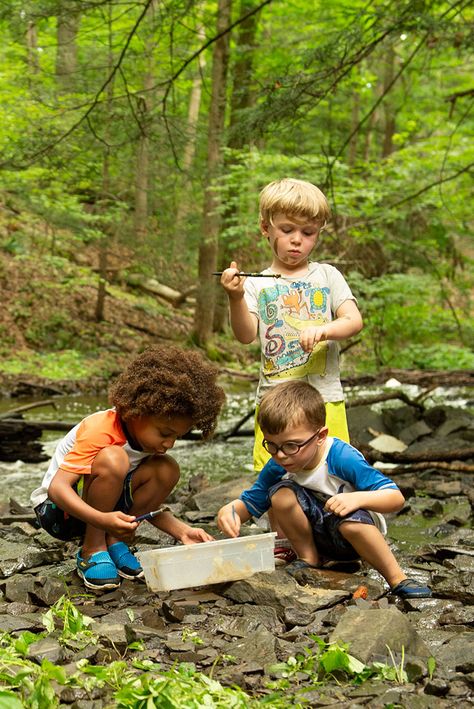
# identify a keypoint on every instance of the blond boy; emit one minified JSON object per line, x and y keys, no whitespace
{"x":301,"y":310}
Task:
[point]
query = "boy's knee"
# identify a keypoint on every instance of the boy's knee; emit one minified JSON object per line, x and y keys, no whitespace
{"x":166,"y":470}
{"x":354,"y":530}
{"x":111,"y":460}
{"x":283,"y":499}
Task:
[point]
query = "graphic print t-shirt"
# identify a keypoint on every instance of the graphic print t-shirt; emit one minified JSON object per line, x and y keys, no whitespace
{"x":284,"y":308}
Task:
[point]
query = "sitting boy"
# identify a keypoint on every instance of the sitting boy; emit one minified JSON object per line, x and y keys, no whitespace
{"x":324,"y":495}
{"x":113,"y":466}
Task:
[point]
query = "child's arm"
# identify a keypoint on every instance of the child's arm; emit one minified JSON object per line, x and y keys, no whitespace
{"x":173,"y":526}
{"x":244,"y":324}
{"x":348,"y":322}
{"x":389,"y":500}
{"x":231,"y":516}
{"x":62,"y":493}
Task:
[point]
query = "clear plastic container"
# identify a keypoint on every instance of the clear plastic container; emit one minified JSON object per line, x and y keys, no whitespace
{"x":207,"y":563}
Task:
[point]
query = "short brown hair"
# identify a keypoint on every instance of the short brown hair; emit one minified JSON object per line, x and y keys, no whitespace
{"x":294,"y":198}
{"x":291,"y":403}
{"x":169,"y":381}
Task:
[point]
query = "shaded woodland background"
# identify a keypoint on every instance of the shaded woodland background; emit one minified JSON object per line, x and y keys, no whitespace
{"x":136,"y":136}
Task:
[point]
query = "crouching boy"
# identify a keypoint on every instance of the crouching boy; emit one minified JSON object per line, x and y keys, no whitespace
{"x":324,"y":495}
{"x":114,"y":466}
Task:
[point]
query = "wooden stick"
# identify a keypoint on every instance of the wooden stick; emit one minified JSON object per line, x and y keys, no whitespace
{"x":252,"y":275}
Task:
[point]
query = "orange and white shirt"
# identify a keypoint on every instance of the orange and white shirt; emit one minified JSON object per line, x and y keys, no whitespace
{"x":76,"y":452}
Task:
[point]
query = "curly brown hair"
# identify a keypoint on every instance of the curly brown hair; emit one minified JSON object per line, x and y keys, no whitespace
{"x":169,"y":381}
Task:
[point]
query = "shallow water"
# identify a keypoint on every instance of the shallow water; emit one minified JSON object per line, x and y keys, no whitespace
{"x":218,"y":461}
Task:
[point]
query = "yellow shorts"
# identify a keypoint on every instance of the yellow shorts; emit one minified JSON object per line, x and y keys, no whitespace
{"x":336,"y":421}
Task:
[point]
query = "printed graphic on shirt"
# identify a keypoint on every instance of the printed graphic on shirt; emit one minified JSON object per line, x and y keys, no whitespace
{"x":285,"y":310}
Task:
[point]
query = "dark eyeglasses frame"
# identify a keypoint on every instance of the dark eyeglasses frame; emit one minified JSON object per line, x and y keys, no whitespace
{"x":273,"y":449}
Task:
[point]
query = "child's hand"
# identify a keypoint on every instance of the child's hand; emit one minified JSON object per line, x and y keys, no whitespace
{"x":119,"y":524}
{"x":195,"y":535}
{"x":229,"y":521}
{"x":311,"y":336}
{"x":343,"y":504}
{"x":232,"y":283}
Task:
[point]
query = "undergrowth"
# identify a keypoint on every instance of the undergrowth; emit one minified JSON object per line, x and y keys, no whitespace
{"x":135,"y":682}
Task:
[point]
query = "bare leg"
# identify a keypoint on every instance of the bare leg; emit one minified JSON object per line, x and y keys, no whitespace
{"x":275,"y":527}
{"x":371,"y":545}
{"x":295,"y":525}
{"x":152,"y":482}
{"x":102,"y":490}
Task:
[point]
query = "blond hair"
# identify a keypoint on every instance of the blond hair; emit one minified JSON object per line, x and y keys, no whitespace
{"x":291,"y":403}
{"x":295,"y":198}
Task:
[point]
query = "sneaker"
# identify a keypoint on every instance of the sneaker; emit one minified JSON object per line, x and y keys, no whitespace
{"x":283,"y":555}
{"x":409,"y":588}
{"x":126,"y":563}
{"x":98,"y":571}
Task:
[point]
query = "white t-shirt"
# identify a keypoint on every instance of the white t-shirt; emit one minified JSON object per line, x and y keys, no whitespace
{"x":284,"y":307}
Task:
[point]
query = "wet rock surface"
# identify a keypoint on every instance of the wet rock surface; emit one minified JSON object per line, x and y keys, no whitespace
{"x":238,"y":632}
{"x":242,"y":629}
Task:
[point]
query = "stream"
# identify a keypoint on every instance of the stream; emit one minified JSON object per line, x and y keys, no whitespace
{"x":221,"y":461}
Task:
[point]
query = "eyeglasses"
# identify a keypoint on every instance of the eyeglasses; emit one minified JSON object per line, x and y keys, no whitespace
{"x":288,"y":448}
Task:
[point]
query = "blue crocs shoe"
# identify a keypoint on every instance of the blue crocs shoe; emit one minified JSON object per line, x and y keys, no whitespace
{"x":98,"y":572}
{"x":127,"y":564}
{"x":409,"y":588}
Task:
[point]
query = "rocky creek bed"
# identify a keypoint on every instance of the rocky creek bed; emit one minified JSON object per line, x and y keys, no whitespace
{"x":265,"y":633}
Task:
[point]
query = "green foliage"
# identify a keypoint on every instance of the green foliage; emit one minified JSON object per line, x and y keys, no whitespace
{"x":395,"y":158}
{"x":68,"y":364}
{"x":141,"y":683}
{"x":332,"y":660}
{"x":409,"y":325}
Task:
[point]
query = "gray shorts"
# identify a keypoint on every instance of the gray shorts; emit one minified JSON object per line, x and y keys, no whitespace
{"x":325,"y":525}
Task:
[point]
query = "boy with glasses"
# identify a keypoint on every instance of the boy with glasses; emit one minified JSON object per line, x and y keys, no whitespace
{"x":324,"y":495}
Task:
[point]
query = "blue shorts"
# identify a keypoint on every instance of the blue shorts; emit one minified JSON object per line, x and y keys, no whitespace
{"x":61,"y":525}
{"x":325,"y":525}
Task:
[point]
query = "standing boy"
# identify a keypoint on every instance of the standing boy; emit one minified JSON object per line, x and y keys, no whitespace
{"x":113,"y":466}
{"x":301,"y":314}
{"x":324,"y":495}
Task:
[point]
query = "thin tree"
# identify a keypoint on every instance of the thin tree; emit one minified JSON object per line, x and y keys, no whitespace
{"x":205,"y":301}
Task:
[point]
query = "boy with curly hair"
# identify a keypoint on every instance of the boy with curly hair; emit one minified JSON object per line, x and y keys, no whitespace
{"x":113,"y":466}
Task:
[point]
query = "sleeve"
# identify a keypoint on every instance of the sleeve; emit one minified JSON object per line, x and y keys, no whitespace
{"x":339,"y":288}
{"x":349,"y":464}
{"x":90,"y":439}
{"x":256,"y":499}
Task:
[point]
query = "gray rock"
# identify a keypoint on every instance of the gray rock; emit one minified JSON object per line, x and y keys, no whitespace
{"x":212,"y":499}
{"x":12,"y":624}
{"x":111,"y":635}
{"x":256,"y":650}
{"x":369,"y":632}
{"x":458,"y":653}
{"x":19,"y":587}
{"x":360,"y":419}
{"x":46,"y":649}
{"x":280,"y":590}
{"x":414,"y":432}
{"x":387,"y":444}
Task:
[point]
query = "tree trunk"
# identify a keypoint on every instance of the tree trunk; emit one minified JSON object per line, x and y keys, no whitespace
{"x":142,"y":175}
{"x":32,"y":47}
{"x":204,"y":313}
{"x":66,"y":56}
{"x":184,"y":205}
{"x":104,"y":243}
{"x":388,"y":105}
{"x":241,"y":99}
{"x":355,"y":117}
